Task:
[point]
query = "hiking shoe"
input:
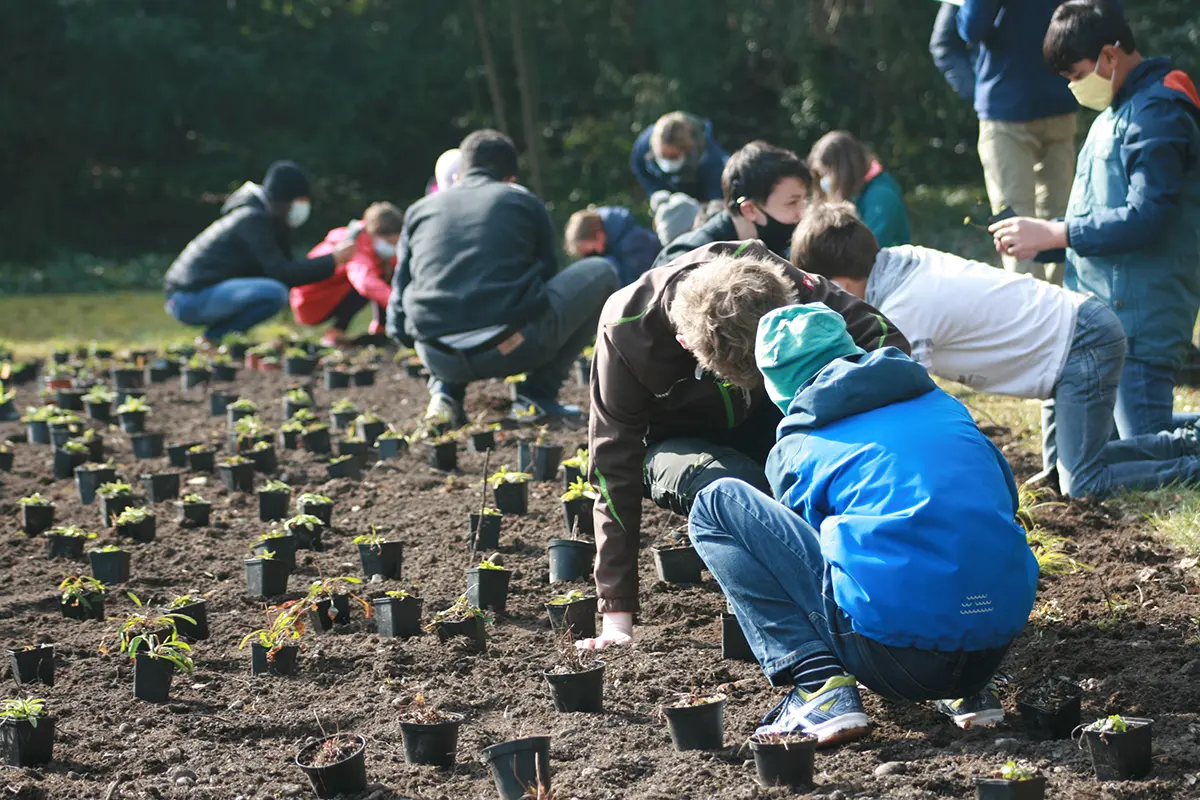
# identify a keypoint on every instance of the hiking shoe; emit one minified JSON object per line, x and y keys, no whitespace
{"x":982,"y":710}
{"x":834,"y":713}
{"x":531,"y":409}
{"x":444,"y":412}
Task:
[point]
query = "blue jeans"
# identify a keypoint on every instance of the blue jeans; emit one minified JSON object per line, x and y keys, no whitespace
{"x":768,"y":562}
{"x":1146,"y":399}
{"x":1077,"y":423}
{"x":552,"y":341}
{"x":237,"y":304}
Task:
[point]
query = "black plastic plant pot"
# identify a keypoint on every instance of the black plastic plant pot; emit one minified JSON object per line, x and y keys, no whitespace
{"x":161,"y":487}
{"x":289,"y":440}
{"x":147,"y":445}
{"x":177,"y":454}
{"x":61,"y":434}
{"x":481,"y":441}
{"x":308,"y":539}
{"x":342,"y":420}
{"x":577,"y":692}
{"x":202,"y":461}
{"x":68,"y":547}
{"x":143,"y":531}
{"x":363,"y":377}
{"x":191,"y":378}
{"x":518,"y":765}
{"x":390,"y":448}
{"x":700,"y":727}
{"x":545,"y":459}
{"x":193,"y":631}
{"x":224,"y":373}
{"x":785,"y":763}
{"x":414,"y":370}
{"x":488,"y":588}
{"x":350,"y":468}
{"x":347,"y":776}
{"x":357,"y":449}
{"x":133,"y":421}
{"x":152,"y":678}
{"x":330,"y":611}
{"x":232,"y":415}
{"x":370,"y":432}
{"x":219,"y":400}
{"x":1121,"y":756}
{"x":280,"y":661}
{"x":237,"y":477}
{"x":87,"y":481}
{"x":384,"y":558}
{"x":570,"y":475}
{"x":443,"y":456}
{"x":317,"y":442}
{"x":433,"y":744}
{"x":159,"y":374}
{"x":193,"y":515}
{"x":512,"y":498}
{"x":125,"y":395}
{"x":485,"y":535}
{"x":299,"y":366}
{"x":579,"y":512}
{"x":471,"y":628}
{"x":123,"y":378}
{"x":579,"y":617}
{"x":284,"y":548}
{"x":37,"y":432}
{"x":111,"y":508}
{"x":1050,"y":709}
{"x":33,"y":665}
{"x":1000,"y":789}
{"x":96,"y":449}
{"x":266,"y":577}
{"x":678,"y":564}
{"x":265,"y":460}
{"x":111,"y":567}
{"x":69,"y":399}
{"x":24,"y":745}
{"x":65,"y":463}
{"x":322,"y":511}
{"x":570,"y":559}
{"x":89,"y":607}
{"x":336,"y":379}
{"x":6,"y":462}
{"x":734,"y":646}
{"x":397,"y":618}
{"x":36,"y":519}
{"x":273,"y":505}
{"x":100,"y":411}
{"x":8,"y":412}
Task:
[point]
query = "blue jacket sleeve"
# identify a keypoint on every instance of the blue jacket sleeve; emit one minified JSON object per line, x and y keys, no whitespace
{"x":400,"y":278}
{"x":951,"y":54}
{"x":977,"y":20}
{"x":711,"y":168}
{"x":637,"y":162}
{"x":1155,"y":158}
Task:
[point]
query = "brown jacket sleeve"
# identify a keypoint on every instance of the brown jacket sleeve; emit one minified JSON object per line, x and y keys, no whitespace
{"x":616,"y":447}
{"x":870,"y":329}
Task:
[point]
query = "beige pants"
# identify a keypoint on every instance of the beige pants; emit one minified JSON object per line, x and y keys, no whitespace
{"x":1029,"y":166}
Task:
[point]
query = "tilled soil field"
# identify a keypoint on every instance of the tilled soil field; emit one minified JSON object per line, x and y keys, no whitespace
{"x":1129,"y":632}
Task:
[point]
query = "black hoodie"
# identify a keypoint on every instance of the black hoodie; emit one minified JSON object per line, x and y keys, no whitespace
{"x":244,"y":242}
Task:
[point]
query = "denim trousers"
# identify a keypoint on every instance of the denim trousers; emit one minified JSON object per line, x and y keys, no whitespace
{"x":768,"y":562}
{"x":1077,"y":424}
{"x":552,"y":341}
{"x":1146,"y":399}
{"x":237,"y":304}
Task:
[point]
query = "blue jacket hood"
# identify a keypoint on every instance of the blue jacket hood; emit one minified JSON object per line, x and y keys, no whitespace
{"x":617,"y":221}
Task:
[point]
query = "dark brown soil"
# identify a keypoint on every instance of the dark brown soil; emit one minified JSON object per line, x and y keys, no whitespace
{"x":1127,"y":632}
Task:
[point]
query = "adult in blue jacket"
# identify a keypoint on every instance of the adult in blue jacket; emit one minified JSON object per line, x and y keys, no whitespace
{"x":892,"y":557}
{"x":951,"y":55}
{"x":613,"y":233}
{"x":1132,"y":231}
{"x":679,"y":154}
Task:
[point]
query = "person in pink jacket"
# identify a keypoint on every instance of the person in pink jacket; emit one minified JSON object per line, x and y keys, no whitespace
{"x":365,"y":278}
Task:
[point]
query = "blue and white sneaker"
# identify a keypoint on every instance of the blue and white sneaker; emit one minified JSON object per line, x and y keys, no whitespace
{"x":982,"y":710}
{"x":834,"y":713}
{"x":532,"y":409}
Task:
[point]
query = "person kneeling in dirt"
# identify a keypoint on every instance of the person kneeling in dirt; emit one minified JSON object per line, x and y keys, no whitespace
{"x":237,"y":273}
{"x":477,"y":287}
{"x":892,"y":556}
{"x":365,"y":278}
{"x":661,"y":425}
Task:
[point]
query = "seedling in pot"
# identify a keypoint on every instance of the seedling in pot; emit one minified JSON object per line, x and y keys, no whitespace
{"x":26,"y":732}
{"x":6,"y":457}
{"x":194,"y":510}
{"x":335,"y":765}
{"x":784,"y":759}
{"x":397,"y":614}
{"x":273,"y":500}
{"x":191,"y":621}
{"x":576,"y":679}
{"x":98,"y":401}
{"x":133,"y":413}
{"x":66,"y":541}
{"x":344,"y":466}
{"x":249,"y":431}
{"x":281,"y":544}
{"x":430,"y":735}
{"x":461,"y":619}
{"x":37,"y":513}
{"x":294,"y":400}
{"x":442,"y":452}
{"x":1050,"y":708}
{"x":137,"y":523}
{"x":487,"y":586}
{"x":110,"y":564}
{"x":677,"y":561}
{"x":266,"y":576}
{"x":139,"y":625}
{"x":510,"y":490}
{"x":380,"y":556}
{"x":202,"y":458}
{"x":318,"y":506}
{"x":369,"y":427}
{"x":33,"y":663}
{"x":274,"y":649}
{"x":155,"y":659}
{"x":574,"y":612}
{"x":342,"y":414}
{"x":316,"y":439}
{"x":575,"y":467}
{"x":1120,"y":747}
{"x":81,"y":598}
{"x":115,"y":497}
{"x":307,"y":528}
{"x":237,"y":474}
{"x":696,"y":721}
{"x":391,"y":443}
{"x":328,"y":601}
{"x":577,"y":502}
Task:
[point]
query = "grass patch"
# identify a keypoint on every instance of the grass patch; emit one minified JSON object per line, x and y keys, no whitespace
{"x":1173,"y":513}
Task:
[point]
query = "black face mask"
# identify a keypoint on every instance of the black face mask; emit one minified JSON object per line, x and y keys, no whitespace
{"x":776,"y":235}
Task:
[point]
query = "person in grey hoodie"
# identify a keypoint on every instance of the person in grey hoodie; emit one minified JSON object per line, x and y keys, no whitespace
{"x":237,"y":273}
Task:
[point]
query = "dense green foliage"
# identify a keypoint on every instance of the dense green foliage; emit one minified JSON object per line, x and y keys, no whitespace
{"x":124,"y":122}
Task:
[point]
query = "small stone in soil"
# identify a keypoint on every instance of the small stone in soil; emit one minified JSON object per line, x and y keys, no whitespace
{"x":1008,"y":745}
{"x":496,"y":558}
{"x":124,"y":728}
{"x":290,"y":790}
{"x":891,"y":768}
{"x":173,"y":754}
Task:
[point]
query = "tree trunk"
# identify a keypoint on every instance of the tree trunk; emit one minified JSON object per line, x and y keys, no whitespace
{"x":489,"y":66}
{"x":527,"y":83}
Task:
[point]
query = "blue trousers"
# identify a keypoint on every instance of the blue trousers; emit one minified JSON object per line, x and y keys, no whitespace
{"x":237,"y":304}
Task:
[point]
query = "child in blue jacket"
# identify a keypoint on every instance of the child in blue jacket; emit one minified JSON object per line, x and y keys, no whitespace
{"x":892,"y":556}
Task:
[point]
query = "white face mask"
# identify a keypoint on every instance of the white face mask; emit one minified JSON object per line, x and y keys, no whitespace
{"x":827,"y":184}
{"x":384,"y":248}
{"x":298,"y":214}
{"x":670,"y":165}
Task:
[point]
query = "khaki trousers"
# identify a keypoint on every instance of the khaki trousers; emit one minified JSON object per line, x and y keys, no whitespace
{"x":1029,"y":166}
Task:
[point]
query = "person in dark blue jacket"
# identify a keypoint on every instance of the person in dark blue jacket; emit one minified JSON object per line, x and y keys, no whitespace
{"x":951,"y":55}
{"x":1132,"y":230}
{"x":892,"y":556}
{"x":612,"y":232}
{"x":679,"y":154}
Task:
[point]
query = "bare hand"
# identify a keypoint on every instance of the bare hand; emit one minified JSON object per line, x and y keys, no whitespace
{"x":616,"y":630}
{"x":343,"y":252}
{"x":1025,"y":237}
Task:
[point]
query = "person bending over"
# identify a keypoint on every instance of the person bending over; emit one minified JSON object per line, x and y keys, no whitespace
{"x":236,"y":273}
{"x":477,"y":287}
{"x":679,"y":154}
{"x":661,"y":425}
{"x":365,"y":278}
{"x":1004,"y":333}
{"x":892,"y":557}
{"x":765,"y":190}
{"x":612,"y":232}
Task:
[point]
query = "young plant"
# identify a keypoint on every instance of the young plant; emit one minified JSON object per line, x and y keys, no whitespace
{"x":373,"y":539}
{"x":460,"y":611}
{"x":97,"y":394}
{"x":134,"y":404}
{"x":295,"y":352}
{"x":299,"y":397}
{"x":243,"y":404}
{"x":392,"y":433}
{"x":505,"y":475}
{"x":71,"y":531}
{"x":579,"y":461}
{"x":235,"y":460}
{"x":1112,"y":724}
{"x":258,"y":448}
{"x":133,"y":516}
{"x":286,"y":625}
{"x":137,"y":625}
{"x":579,"y":488}
{"x":270,"y":535}
{"x":275,"y":487}
{"x":367,"y":417}
{"x":75,"y":590}
{"x":306,"y":521}
{"x":422,"y":712}
{"x":35,"y":499}
{"x":193,"y":499}
{"x":485,"y":564}
{"x":40,"y":414}
{"x":344,"y":406}
{"x":327,"y":588}
{"x":170,"y":649}
{"x":75,"y":446}
{"x":1017,"y":771}
{"x":183,"y":601}
{"x":200,"y":448}
{"x":572,"y":596}
{"x":311,"y":498}
{"x":114,"y":489}
{"x":340,"y":459}
{"x":398,"y":594}
{"x":1050,"y":554}
{"x":23,"y":709}
{"x":304,"y":416}
{"x":108,"y":548}
{"x":251,"y":427}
